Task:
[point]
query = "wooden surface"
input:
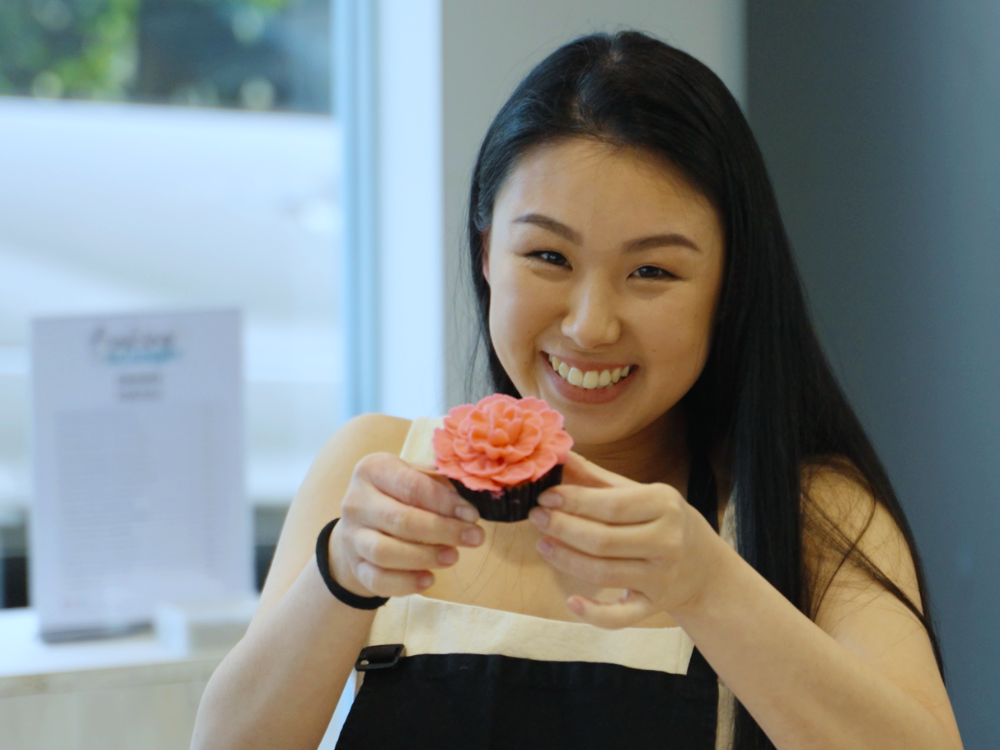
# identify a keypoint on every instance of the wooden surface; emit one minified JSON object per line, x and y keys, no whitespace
{"x":147,"y":707}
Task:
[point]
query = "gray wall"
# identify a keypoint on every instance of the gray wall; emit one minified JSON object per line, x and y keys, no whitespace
{"x":881,"y":125}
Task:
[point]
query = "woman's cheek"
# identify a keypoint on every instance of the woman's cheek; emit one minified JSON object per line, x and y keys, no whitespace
{"x":506,"y":314}
{"x":517,"y":316}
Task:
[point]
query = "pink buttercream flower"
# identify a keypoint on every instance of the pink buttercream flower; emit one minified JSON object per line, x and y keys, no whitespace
{"x":501,"y":442}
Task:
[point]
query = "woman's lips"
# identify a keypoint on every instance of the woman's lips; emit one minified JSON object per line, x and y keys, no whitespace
{"x":585,"y":384}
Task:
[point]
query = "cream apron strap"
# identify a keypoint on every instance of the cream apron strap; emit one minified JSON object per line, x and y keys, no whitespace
{"x":419,"y":445}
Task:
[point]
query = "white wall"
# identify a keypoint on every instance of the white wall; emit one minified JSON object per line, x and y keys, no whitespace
{"x":409,"y":199}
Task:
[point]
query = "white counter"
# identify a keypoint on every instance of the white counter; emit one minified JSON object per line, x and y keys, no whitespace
{"x":129,"y":693}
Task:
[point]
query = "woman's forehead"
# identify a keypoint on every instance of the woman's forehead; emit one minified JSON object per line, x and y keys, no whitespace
{"x":597,"y":189}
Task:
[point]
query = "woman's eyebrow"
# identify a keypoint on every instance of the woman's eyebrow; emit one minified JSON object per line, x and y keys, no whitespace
{"x":661,"y":240}
{"x":552,"y":225}
{"x":643,"y":243}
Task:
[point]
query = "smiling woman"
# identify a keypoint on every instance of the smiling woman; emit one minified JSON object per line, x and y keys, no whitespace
{"x":724,"y":564}
{"x":607,"y":261}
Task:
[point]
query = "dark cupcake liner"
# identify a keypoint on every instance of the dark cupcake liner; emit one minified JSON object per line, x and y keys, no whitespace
{"x":512,"y":504}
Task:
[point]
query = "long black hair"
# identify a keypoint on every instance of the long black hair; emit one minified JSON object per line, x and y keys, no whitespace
{"x":767,"y":401}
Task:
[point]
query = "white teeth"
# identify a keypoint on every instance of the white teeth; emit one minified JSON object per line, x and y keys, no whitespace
{"x":592,"y":378}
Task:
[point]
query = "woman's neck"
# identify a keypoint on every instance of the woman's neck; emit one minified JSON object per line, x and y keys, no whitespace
{"x":657,"y":453}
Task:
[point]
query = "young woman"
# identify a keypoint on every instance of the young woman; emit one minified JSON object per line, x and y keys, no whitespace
{"x":621,"y":220}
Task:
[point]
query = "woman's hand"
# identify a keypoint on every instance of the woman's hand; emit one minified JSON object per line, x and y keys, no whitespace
{"x":397,"y":524}
{"x":615,"y":533}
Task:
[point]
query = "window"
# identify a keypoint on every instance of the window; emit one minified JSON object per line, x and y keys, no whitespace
{"x":251,"y":54}
{"x":164,"y":154}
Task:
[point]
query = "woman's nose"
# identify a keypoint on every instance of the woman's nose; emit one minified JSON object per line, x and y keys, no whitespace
{"x":592,"y":319}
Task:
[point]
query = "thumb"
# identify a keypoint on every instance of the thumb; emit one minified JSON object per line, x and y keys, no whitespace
{"x":584,"y":473}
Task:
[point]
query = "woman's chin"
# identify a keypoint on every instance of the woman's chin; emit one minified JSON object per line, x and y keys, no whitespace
{"x":585,"y":433}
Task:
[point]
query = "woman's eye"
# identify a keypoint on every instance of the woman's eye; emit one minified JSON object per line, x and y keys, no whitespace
{"x":653,"y":272}
{"x":550,"y":256}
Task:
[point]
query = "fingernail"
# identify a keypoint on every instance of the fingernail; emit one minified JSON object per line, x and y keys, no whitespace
{"x":550,"y":499}
{"x":539,"y":517}
{"x":544,"y":547}
{"x":575,"y":605}
{"x":425,"y":580}
{"x":472,"y":537}
{"x":448,"y":556}
{"x":466,"y":513}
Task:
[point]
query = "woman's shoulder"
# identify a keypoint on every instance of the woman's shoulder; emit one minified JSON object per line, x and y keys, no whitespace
{"x":363,"y":435}
{"x":360,"y":436}
{"x":833,"y":487}
{"x":848,"y":530}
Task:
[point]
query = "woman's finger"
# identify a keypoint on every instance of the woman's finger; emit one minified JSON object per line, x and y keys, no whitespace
{"x":386,"y":514}
{"x":396,"y":478}
{"x":620,"y":505}
{"x":611,"y":574}
{"x":632,"y":608}
{"x":578,"y":470}
{"x":596,"y":538}
{"x":382,"y":582}
{"x":395,"y":554}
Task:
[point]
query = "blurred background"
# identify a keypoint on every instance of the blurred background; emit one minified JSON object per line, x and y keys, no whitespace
{"x":173,"y":154}
{"x":191,"y":154}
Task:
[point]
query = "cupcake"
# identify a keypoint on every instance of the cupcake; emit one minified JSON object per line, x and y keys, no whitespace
{"x":502,"y":453}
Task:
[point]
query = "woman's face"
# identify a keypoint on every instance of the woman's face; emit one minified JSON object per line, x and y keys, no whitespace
{"x":602,"y":261}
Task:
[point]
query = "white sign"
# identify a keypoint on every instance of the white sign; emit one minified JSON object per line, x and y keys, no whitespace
{"x":138,"y":455}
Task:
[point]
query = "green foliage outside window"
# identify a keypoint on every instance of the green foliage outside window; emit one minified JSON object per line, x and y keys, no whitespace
{"x":88,"y":49}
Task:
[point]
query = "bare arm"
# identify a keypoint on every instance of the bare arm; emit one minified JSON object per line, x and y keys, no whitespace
{"x":870,"y":682}
{"x":279,"y":686}
{"x":862,"y":677}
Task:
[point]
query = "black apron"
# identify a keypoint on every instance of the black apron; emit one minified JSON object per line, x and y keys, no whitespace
{"x":473,"y":701}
